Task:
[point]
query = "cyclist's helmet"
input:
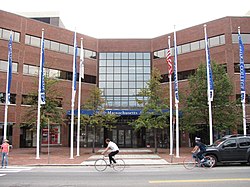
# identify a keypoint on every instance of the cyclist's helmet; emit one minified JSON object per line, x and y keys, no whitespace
{"x":197,"y":139}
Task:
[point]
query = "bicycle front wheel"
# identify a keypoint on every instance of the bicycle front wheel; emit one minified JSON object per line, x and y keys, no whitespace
{"x":189,"y":163}
{"x":100,"y":164}
{"x":120,"y":165}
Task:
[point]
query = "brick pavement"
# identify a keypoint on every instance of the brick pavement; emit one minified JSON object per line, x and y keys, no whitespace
{"x":61,"y":155}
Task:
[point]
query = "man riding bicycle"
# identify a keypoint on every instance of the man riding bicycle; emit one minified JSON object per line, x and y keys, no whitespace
{"x":114,"y":150}
{"x":199,"y":149}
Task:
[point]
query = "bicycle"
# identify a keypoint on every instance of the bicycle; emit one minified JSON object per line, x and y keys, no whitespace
{"x":101,"y":164}
{"x":193,"y":161}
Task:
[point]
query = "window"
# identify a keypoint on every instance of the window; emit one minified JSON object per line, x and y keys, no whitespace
{"x":229,"y":144}
{"x":244,"y":142}
{"x":4,"y":66}
{"x":12,"y":98}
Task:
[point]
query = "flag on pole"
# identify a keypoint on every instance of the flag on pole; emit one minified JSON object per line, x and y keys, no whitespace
{"x":9,"y":70}
{"x":175,"y":71}
{"x":81,"y":62}
{"x":42,"y":85}
{"x":210,"y":84}
{"x":169,"y":61}
{"x":242,"y":69}
{"x":74,"y":68}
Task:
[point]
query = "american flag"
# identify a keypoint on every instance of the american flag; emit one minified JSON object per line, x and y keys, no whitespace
{"x":170,"y":66}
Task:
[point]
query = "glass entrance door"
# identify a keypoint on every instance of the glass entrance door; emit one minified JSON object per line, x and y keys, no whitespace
{"x":123,"y":138}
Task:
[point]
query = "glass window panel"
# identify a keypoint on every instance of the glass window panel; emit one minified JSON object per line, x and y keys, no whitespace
{"x":47,"y":44}
{"x":139,"y":62}
{"x":139,"y":55}
{"x":131,"y":91}
{"x":14,"y":67}
{"x":131,"y":55}
{"x":202,"y":44}
{"x":146,"y":62}
{"x":102,"y":85}
{"x":3,"y":65}
{"x":124,"y":77}
{"x":124,"y":69}
{"x":124,"y":62}
{"x":146,"y":77}
{"x":102,"y":69}
{"x":146,"y":69}
{"x":27,"y":39}
{"x":117,"y":84}
{"x":124,"y":84}
{"x":110,"y":77}
{"x":124,"y":55}
{"x":87,"y":53}
{"x":131,"y":77}
{"x":131,"y":70}
{"x":146,"y":56}
{"x":139,"y":70}
{"x":195,"y":46}
{"x":117,"y":55}
{"x":132,"y":103}
{"x":245,"y":38}
{"x":64,"y":48}
{"x":35,"y":41}
{"x":215,"y":41}
{"x":117,"y":91}
{"x":185,"y":48}
{"x":179,"y":50}
{"x":25,"y":69}
{"x":33,"y":70}
{"x":54,"y":46}
{"x":117,"y":77}
{"x":17,"y":37}
{"x":222,"y":39}
{"x":117,"y":62}
{"x":139,"y":77}
{"x":6,"y":34}
{"x":124,"y":92}
{"x":110,"y":84}
{"x":110,"y":70}
{"x":102,"y":77}
{"x":54,"y":73}
{"x":235,"y":38}
{"x":110,"y":63}
{"x":117,"y":70}
{"x":102,"y":62}
{"x":109,"y":91}
{"x":132,"y":84}
{"x":131,"y":62}
{"x":110,"y":56}
{"x":102,"y":55}
{"x":161,"y":54}
{"x":1,"y":32}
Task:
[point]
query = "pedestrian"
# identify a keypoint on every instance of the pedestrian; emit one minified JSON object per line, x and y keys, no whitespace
{"x":5,"y":152}
{"x":114,"y":150}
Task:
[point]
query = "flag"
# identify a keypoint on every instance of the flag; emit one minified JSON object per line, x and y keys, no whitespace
{"x":242,"y":69}
{"x":210,"y":84}
{"x":42,"y":85}
{"x":74,"y":69}
{"x":81,"y":62}
{"x":170,"y":66}
{"x":175,"y":71}
{"x":9,"y":70}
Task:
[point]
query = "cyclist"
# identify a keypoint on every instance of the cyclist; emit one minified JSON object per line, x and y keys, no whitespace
{"x":114,"y":150}
{"x":199,"y":149}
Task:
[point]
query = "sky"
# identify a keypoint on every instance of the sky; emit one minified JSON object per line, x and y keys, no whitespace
{"x":131,"y":18}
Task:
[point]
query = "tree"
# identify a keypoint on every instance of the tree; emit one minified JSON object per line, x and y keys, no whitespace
{"x":50,"y":111}
{"x":152,"y":115}
{"x":225,"y":112}
{"x":99,"y":119}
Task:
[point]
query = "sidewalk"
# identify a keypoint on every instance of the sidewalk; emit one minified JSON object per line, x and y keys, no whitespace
{"x":61,"y":156}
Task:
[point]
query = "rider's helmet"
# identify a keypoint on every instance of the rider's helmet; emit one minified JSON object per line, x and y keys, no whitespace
{"x":197,"y":139}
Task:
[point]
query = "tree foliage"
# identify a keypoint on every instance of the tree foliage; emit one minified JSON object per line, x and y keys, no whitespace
{"x":152,"y":115}
{"x":225,"y":112}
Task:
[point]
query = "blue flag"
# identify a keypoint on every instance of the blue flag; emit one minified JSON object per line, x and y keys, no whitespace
{"x":74,"y":68}
{"x":242,"y":70}
{"x":210,"y":82}
{"x":9,"y":71}
{"x":175,"y":72}
{"x":42,"y":88}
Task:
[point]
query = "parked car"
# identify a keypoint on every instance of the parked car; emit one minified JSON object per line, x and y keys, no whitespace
{"x":230,"y":149}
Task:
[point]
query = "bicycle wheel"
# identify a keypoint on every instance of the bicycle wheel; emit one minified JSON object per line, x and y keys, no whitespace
{"x":120,"y":165}
{"x":209,"y":162}
{"x":100,"y":164}
{"x":189,"y":163}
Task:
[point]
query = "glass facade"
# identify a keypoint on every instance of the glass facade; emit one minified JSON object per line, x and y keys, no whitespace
{"x":122,"y":76}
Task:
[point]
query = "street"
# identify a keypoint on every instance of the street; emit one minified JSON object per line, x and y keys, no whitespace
{"x":170,"y":175}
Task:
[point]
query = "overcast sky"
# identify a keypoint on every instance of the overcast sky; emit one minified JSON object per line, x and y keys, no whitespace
{"x":131,"y":18}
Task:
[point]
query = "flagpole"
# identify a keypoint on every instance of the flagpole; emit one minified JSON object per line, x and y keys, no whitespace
{"x":208,"y":87}
{"x":39,"y":102}
{"x":170,"y":105}
{"x":8,"y":84}
{"x":176,"y":97}
{"x":79,"y":100}
{"x":242,"y":81}
{"x":73,"y":100}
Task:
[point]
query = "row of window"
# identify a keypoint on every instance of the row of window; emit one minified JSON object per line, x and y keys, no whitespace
{"x":56,"y":46}
{"x":124,"y":77}
{"x":26,"y":99}
{"x":245,"y":38}
{"x":5,"y":34}
{"x":122,"y":91}
{"x":124,"y":62}
{"x":123,"y":55}
{"x":193,"y":46}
